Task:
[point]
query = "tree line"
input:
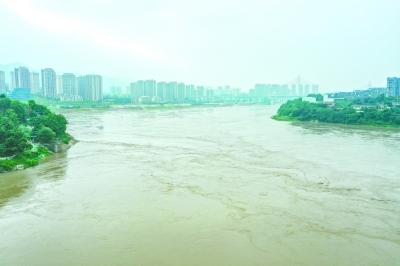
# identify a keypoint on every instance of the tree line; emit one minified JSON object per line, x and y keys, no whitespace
{"x":26,"y":125}
{"x":370,"y":111}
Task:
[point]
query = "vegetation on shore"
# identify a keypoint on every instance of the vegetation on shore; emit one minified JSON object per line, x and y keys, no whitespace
{"x":28,"y":131}
{"x":380,"y":111}
{"x":71,"y":104}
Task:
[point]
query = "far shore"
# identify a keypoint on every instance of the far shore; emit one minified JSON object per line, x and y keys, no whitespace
{"x":151,"y":106}
{"x":43,"y":156}
{"x":316,"y":122}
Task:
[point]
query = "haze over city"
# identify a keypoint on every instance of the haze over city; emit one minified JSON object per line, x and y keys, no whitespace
{"x":212,"y":132}
{"x":341,"y":45}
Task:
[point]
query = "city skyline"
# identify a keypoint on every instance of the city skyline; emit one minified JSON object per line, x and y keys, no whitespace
{"x":89,"y":87}
{"x":114,"y":82}
{"x":209,"y":42}
{"x":49,"y":84}
{"x":24,"y":83}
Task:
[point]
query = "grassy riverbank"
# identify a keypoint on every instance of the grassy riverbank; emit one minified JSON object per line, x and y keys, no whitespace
{"x":29,"y":132}
{"x":24,"y":160}
{"x":295,"y":121}
{"x":348,"y":113}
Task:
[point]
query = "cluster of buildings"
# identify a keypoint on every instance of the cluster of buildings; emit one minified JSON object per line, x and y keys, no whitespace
{"x":66,"y":87}
{"x":392,"y":89}
{"x":69,"y":87}
{"x":367,"y":93}
{"x":151,"y":91}
{"x":285,"y":90}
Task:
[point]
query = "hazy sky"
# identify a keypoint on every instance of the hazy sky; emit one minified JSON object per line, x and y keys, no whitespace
{"x":340,"y":44}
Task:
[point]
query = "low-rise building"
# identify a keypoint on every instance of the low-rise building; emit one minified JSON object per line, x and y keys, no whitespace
{"x":309,"y":99}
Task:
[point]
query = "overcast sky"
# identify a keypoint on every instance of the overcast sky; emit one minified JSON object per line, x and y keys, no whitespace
{"x":340,"y":44}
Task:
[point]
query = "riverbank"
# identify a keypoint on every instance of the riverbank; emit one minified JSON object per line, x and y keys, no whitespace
{"x":361,"y":126}
{"x":29,"y":132}
{"x":149,"y":106}
{"x":176,"y":106}
{"x":25,"y":160}
{"x":34,"y":157}
{"x":380,"y":115}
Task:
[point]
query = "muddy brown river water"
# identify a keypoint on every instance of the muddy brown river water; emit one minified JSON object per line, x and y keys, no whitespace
{"x":206,"y":186}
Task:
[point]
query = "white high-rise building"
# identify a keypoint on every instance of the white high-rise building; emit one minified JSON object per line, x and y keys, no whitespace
{"x":137,"y":91}
{"x":161,"y":91}
{"x":3,"y":86}
{"x":171,"y":91}
{"x":35,"y":83}
{"x":69,"y":87}
{"x":91,"y":88}
{"x":180,"y":92}
{"x":59,"y":85}
{"x":49,"y":83}
{"x":150,"y":89}
{"x":12,"y":81}
{"x":21,"y":78}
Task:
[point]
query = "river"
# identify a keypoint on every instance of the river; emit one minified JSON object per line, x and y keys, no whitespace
{"x":206,"y":186}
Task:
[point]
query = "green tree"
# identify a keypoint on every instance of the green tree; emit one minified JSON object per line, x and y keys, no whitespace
{"x":45,"y":135}
{"x":5,"y":104}
{"x":374,"y":111}
{"x":13,"y":140}
{"x":20,"y":110}
{"x":36,"y":110}
{"x":57,"y":123}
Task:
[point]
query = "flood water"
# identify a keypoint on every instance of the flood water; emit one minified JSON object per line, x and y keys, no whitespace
{"x":206,"y":186}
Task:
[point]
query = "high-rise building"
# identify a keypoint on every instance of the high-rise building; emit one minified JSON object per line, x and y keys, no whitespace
{"x":200,"y":93}
{"x":91,"y":88}
{"x":137,"y":90}
{"x":49,"y":83}
{"x":302,"y":88}
{"x":209,"y":94}
{"x":3,"y":87}
{"x":171,"y":91}
{"x":150,"y":88}
{"x":150,"y":91}
{"x":69,"y":87}
{"x":21,"y":78}
{"x":190,"y":92}
{"x":35,"y":83}
{"x":59,"y":86}
{"x":12,"y":81}
{"x":161,"y":91}
{"x":180,"y":92}
{"x":393,"y":87}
